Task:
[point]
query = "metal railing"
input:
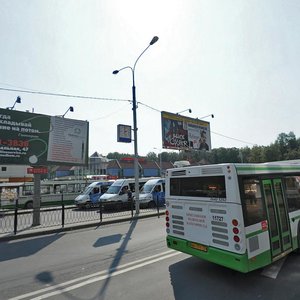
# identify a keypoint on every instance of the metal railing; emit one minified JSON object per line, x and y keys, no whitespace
{"x":16,"y":220}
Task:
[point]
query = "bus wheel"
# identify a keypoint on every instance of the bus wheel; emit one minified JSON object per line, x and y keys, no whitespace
{"x":29,"y":205}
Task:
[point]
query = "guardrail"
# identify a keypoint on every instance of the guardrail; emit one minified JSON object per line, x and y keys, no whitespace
{"x":16,"y":220}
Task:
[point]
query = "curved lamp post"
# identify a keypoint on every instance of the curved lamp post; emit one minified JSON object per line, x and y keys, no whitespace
{"x":134,"y":107}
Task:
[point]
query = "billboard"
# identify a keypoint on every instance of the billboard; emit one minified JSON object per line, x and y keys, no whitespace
{"x":182,"y":133}
{"x":36,"y":139}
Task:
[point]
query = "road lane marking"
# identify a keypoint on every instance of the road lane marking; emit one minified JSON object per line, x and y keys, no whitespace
{"x":273,"y":270}
{"x":88,"y":279}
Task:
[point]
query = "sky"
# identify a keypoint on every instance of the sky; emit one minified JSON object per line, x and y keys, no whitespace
{"x":235,"y":59}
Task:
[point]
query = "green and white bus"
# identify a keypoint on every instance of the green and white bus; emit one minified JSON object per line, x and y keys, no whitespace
{"x":241,"y":216}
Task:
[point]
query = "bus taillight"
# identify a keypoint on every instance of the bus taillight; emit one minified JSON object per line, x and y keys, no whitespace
{"x":235,"y":230}
{"x":236,"y":239}
{"x":235,"y":222}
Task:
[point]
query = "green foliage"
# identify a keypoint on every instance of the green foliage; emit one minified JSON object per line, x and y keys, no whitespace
{"x":117,"y":155}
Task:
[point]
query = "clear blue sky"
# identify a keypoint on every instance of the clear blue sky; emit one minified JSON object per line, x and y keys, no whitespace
{"x":236,"y":59}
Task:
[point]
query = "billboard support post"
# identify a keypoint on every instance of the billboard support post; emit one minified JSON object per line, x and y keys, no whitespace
{"x":36,"y":199}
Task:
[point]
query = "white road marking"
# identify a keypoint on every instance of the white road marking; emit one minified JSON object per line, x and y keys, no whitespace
{"x":98,"y":276}
{"x":273,"y":270}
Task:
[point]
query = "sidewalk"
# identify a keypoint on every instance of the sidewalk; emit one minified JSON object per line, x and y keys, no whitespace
{"x":42,"y":230}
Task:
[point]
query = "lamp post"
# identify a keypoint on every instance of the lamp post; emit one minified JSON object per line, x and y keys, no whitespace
{"x":134,"y":107}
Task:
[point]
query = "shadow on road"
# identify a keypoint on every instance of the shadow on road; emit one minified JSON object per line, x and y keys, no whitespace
{"x":107,"y":240}
{"x":116,"y":261}
{"x":196,"y":279}
{"x":15,"y":249}
{"x":47,"y":278}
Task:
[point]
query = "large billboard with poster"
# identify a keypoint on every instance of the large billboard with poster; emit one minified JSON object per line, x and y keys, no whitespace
{"x":35,"y":139}
{"x":182,"y":133}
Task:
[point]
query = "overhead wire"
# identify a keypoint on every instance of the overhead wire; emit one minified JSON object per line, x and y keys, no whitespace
{"x":103,"y":99}
{"x":63,"y":95}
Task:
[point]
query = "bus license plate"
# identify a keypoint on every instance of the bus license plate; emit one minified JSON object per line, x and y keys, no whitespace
{"x":199,"y":247}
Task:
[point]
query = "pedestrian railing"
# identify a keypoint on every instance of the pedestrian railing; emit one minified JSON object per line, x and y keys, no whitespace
{"x":16,"y":220}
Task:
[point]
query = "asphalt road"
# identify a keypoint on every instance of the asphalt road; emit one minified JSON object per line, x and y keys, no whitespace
{"x":130,"y":260}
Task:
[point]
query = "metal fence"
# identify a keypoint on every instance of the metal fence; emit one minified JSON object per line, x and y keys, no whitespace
{"x":16,"y":220}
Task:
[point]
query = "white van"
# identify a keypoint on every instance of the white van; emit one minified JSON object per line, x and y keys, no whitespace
{"x":117,"y":196}
{"x":89,"y":197}
{"x":153,"y":193}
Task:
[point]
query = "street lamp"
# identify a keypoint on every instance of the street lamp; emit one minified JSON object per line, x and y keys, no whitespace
{"x":134,"y":107}
{"x":69,"y":109}
{"x":18,"y":100}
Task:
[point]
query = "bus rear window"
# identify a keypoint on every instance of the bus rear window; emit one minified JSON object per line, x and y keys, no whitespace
{"x":208,"y":187}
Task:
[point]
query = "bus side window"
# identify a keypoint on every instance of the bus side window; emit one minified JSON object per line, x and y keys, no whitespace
{"x":254,"y":209}
{"x":292,"y":191}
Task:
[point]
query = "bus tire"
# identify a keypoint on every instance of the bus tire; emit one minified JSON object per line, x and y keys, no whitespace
{"x":29,"y":205}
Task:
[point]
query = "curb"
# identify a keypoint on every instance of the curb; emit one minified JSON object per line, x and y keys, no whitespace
{"x":71,"y":227}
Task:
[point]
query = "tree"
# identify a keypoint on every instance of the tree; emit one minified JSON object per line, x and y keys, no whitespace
{"x":256,"y":155}
{"x":152,"y":156}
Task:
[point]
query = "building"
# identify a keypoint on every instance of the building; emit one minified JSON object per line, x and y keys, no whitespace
{"x":14,"y":173}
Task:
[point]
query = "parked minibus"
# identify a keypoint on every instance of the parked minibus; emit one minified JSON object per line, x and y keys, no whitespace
{"x":89,"y":197}
{"x":153,"y":193}
{"x":117,"y":194}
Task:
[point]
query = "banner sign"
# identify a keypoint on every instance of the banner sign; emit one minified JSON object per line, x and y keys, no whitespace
{"x":124,"y":133}
{"x":35,"y":139}
{"x":182,"y":133}
{"x":37,"y":170}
